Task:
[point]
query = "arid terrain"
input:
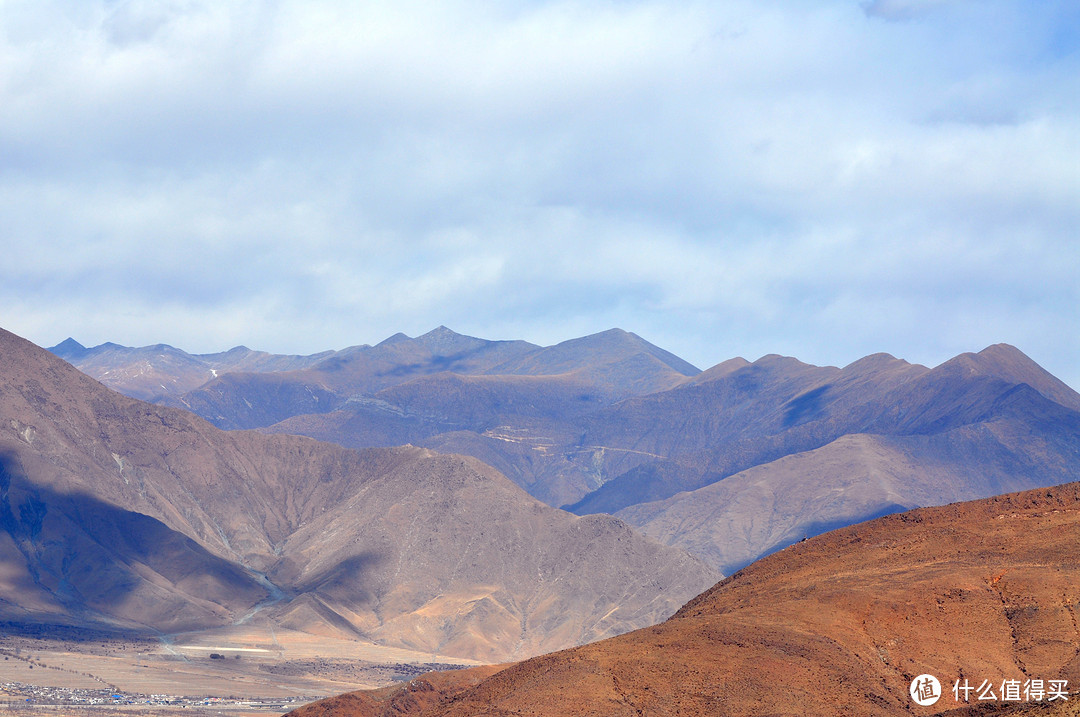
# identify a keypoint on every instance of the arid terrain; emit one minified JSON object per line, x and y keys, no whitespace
{"x":235,"y":671}
{"x":273,"y":566}
{"x":837,"y":625}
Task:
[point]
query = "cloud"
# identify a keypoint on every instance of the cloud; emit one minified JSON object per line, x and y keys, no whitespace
{"x":734,"y":178}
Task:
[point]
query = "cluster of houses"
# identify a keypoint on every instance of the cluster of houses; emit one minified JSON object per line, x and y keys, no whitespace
{"x":15,"y":694}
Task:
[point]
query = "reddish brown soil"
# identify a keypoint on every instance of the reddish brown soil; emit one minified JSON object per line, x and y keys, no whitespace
{"x":426,"y":692}
{"x":838,"y":624}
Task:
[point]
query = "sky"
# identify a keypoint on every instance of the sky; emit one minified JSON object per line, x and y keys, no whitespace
{"x":816,"y":178}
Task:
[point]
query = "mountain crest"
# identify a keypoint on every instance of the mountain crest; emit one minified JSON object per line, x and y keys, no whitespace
{"x":1009,"y":363}
{"x":721,"y":370}
{"x":395,"y":339}
{"x":604,"y":348}
{"x":68,"y":349}
{"x":442,"y":341}
{"x":876,"y":361}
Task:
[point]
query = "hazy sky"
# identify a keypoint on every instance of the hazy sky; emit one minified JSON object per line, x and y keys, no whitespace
{"x":817,"y":178}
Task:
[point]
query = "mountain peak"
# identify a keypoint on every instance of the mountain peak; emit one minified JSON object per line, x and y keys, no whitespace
{"x":438,"y":331}
{"x":877,"y":362}
{"x":1005,"y":352}
{"x":779,"y":362}
{"x":619,"y":340}
{"x":234,"y":351}
{"x":395,"y":339}
{"x":615,"y":331}
{"x":720,"y":370}
{"x":443,"y":341}
{"x":877,"y":359}
{"x":613,"y":336}
{"x":1009,"y":363}
{"x":68,"y":348}
{"x":25,"y":361}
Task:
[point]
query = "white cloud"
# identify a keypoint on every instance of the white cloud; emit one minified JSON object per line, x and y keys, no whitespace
{"x":721,"y":178}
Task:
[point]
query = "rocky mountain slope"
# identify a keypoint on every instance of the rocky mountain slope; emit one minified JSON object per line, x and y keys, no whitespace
{"x":852,"y":445}
{"x":729,"y":463}
{"x":714,"y":427}
{"x":500,"y":401}
{"x":838,"y":624}
{"x":114,"y":511}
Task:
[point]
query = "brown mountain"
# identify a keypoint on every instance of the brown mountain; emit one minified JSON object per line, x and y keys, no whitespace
{"x":617,"y":362}
{"x":520,"y":424}
{"x":728,"y":420}
{"x":605,"y":366}
{"x":999,"y":410}
{"x":730,"y":463}
{"x":504,"y":402}
{"x":252,"y":400}
{"x":856,"y":477}
{"x":837,"y":625}
{"x":121,"y":512}
{"x":158,"y":372}
{"x":768,"y":464}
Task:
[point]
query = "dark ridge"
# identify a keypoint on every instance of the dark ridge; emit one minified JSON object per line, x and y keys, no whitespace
{"x":69,"y":349}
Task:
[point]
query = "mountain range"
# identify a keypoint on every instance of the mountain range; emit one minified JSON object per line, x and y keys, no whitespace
{"x":729,"y":463}
{"x":127,"y":513}
{"x":122,"y":514}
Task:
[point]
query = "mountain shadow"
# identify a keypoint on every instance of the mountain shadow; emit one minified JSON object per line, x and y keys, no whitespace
{"x":75,"y":555}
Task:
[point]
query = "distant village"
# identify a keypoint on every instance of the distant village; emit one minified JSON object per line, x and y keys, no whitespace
{"x":14,"y":695}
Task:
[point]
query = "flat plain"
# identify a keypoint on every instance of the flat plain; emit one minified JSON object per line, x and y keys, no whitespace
{"x":253,"y":670}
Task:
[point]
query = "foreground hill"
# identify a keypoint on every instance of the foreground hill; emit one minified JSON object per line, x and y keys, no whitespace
{"x":838,"y":624}
{"x":114,"y":511}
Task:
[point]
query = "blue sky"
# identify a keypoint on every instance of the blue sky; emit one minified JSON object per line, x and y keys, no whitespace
{"x":817,"y":178}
